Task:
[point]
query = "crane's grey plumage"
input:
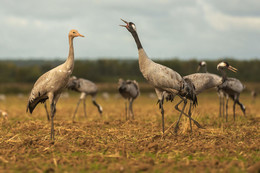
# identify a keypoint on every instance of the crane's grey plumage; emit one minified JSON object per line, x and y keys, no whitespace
{"x":204,"y":81}
{"x":50,"y":84}
{"x":203,"y":65}
{"x":85,"y":87}
{"x":129,"y":89}
{"x":231,"y":87}
{"x":167,"y":82}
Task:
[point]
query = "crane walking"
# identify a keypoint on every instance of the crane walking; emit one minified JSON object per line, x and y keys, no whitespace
{"x":50,"y":84}
{"x":167,"y":82}
{"x":129,"y":89}
{"x":85,"y":87}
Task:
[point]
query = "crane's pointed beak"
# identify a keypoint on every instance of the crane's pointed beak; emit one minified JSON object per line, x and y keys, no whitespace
{"x":80,"y":35}
{"x":232,"y":69}
{"x":125,"y":22}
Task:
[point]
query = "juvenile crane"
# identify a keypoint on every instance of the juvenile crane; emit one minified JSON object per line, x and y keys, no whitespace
{"x":85,"y":87}
{"x":231,"y":87}
{"x":167,"y":82}
{"x":50,"y":84}
{"x":129,"y":89}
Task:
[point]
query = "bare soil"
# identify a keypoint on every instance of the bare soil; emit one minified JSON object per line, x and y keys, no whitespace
{"x":112,"y":144}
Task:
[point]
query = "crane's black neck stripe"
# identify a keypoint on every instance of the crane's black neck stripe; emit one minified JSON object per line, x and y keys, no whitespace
{"x":137,"y":41}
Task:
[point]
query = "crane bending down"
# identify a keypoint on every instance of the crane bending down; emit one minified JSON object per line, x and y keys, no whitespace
{"x":129,"y":89}
{"x":50,"y":84}
{"x":231,"y":87}
{"x":85,"y":87}
{"x":167,"y":82}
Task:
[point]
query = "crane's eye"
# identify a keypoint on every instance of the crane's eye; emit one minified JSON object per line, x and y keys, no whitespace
{"x":74,"y":32}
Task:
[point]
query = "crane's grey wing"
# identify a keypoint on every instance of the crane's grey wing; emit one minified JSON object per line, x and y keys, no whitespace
{"x":164,"y":78}
{"x":132,"y":88}
{"x":233,"y":84}
{"x":204,"y":81}
{"x":38,"y":93}
{"x":87,"y":86}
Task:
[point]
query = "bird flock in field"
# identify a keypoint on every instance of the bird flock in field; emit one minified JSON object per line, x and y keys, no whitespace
{"x":167,"y":84}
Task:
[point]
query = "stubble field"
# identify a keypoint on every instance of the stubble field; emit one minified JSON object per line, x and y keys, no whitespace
{"x":112,"y":144}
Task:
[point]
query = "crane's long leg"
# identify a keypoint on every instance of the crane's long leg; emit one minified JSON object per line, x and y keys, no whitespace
{"x":223,"y":107}
{"x":226,"y":108}
{"x":76,"y":109}
{"x":52,"y":104}
{"x":176,"y":107}
{"x":162,"y":112}
{"x":84,"y":104}
{"x":126,"y":110}
{"x":195,"y":122}
{"x":45,"y":106}
{"x":220,"y":106}
{"x":190,"y":115}
{"x":234,"y":110}
{"x":131,"y":108}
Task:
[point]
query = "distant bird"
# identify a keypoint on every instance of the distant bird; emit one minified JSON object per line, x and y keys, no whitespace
{"x":129,"y":89}
{"x":254,"y":95}
{"x":4,"y":114}
{"x":202,"y":65}
{"x":167,"y":82}
{"x":231,"y":87}
{"x":85,"y":87}
{"x":50,"y":84}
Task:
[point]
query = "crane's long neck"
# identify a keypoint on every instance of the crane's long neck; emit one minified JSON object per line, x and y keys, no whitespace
{"x":143,"y":58}
{"x":70,"y":60}
{"x":224,"y":75}
{"x":137,"y":41}
{"x":205,"y":69}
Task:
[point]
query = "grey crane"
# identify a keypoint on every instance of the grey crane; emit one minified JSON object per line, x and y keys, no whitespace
{"x":85,"y":87}
{"x":231,"y":87}
{"x":50,"y":84}
{"x":203,"y":65}
{"x":129,"y":89}
{"x":167,"y":82}
{"x":204,"y":81}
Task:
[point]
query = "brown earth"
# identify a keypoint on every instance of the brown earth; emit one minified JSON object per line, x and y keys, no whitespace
{"x":112,"y":144}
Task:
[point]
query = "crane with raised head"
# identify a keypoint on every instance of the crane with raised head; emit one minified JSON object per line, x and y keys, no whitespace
{"x":167,"y":82}
{"x":129,"y":89}
{"x":50,"y":84}
{"x":85,"y":87}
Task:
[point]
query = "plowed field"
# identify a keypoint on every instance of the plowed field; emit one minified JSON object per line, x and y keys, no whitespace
{"x":112,"y":144}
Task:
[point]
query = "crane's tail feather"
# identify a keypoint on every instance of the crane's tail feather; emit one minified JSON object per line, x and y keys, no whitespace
{"x":195,"y":101}
{"x":32,"y":104}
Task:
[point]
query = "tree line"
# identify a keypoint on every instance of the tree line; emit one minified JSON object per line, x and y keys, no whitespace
{"x":109,"y":70}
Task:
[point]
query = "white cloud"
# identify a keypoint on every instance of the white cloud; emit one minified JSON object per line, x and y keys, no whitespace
{"x":167,"y":28}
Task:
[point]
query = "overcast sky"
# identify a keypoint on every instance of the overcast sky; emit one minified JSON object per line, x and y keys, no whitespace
{"x":202,"y":29}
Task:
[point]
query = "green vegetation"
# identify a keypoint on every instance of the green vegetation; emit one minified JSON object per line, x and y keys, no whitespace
{"x":17,"y":76}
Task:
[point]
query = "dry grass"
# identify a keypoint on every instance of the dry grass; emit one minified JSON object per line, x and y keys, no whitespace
{"x":110,"y":144}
